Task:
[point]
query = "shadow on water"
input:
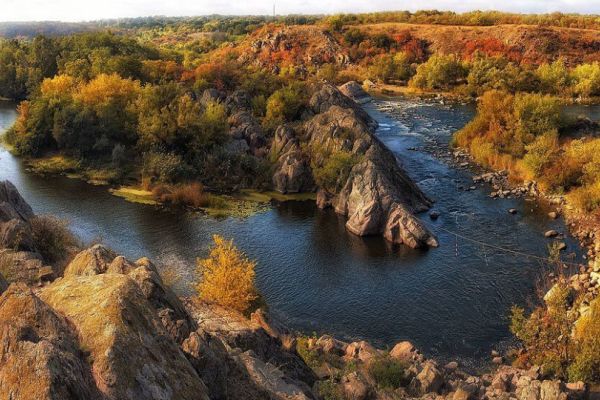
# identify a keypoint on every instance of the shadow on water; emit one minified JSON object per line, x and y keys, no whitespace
{"x":451,"y":301}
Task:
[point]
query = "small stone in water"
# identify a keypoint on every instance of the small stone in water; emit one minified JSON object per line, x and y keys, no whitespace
{"x":434,"y":215}
{"x":551,"y":233}
{"x":512,"y":211}
{"x":553,"y":214}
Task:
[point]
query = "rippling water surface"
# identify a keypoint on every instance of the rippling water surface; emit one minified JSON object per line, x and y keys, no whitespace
{"x":451,"y":301}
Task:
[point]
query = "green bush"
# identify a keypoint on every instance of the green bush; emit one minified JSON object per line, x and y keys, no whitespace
{"x":496,"y":73}
{"x":439,"y":72}
{"x":387,"y":372}
{"x":285,"y":104}
{"x":546,"y":332}
{"x":541,"y":152}
{"x":335,"y":170}
{"x":586,"y":80}
{"x":554,"y":78}
{"x":163,"y":167}
{"x":387,"y":68}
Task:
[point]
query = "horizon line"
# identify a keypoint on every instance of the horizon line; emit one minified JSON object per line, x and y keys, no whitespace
{"x":116,"y":19}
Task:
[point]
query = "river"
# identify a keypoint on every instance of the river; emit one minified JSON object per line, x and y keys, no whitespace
{"x":452,"y":301}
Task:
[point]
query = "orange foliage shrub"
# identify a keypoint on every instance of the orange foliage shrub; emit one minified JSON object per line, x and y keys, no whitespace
{"x":227,"y":276}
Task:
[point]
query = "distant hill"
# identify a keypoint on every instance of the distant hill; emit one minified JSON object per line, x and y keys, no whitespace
{"x":11,"y":30}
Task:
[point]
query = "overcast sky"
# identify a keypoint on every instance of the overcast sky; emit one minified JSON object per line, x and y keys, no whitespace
{"x":82,"y":10}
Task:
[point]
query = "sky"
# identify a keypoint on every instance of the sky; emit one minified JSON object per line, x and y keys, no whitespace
{"x":86,"y":10}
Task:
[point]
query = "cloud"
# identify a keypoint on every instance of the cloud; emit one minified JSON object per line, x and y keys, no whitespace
{"x":78,"y":10}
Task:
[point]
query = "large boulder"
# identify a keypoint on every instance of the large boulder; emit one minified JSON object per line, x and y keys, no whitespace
{"x":15,"y":234}
{"x":100,"y":260}
{"x":24,"y":266}
{"x":40,"y":353}
{"x":362,"y":351}
{"x":12,"y":205}
{"x":95,"y":260}
{"x":292,"y":171}
{"x":241,"y":335}
{"x":405,"y":352}
{"x":355,"y":91}
{"x":133,"y":356}
{"x":329,"y":96}
{"x":244,"y":126}
{"x":377,"y":196}
{"x":429,"y":380}
{"x":355,"y":387}
{"x":208,"y":356}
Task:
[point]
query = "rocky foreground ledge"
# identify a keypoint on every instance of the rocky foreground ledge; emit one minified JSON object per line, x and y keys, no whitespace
{"x":105,"y":327}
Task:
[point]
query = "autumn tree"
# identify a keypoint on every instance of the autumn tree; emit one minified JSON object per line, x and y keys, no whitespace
{"x":439,"y":72}
{"x":227,"y":276}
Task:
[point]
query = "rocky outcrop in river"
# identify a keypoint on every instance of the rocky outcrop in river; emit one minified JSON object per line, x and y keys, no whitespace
{"x":377,"y":196}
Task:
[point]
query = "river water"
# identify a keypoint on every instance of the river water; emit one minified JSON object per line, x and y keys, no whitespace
{"x":452,"y":301}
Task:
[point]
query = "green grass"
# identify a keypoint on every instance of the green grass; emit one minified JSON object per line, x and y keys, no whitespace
{"x":265,"y":197}
{"x":134,"y":195}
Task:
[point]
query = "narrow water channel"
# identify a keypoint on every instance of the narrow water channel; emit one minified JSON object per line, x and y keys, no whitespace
{"x":451,"y":301}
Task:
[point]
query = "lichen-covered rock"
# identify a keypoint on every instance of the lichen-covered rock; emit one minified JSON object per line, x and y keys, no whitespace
{"x":552,"y":390}
{"x":244,"y":126}
{"x":171,"y":311}
{"x":211,"y":96}
{"x":528,"y":388}
{"x":271,"y":378}
{"x":92,"y":261}
{"x":133,"y":356}
{"x":40,"y":353}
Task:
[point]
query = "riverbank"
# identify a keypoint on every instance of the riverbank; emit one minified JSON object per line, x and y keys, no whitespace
{"x":316,"y":277}
{"x":241,"y":203}
{"x":195,"y":349}
{"x":388,"y":90}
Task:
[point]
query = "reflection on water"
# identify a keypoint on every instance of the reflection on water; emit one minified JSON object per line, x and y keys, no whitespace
{"x":315,"y":276}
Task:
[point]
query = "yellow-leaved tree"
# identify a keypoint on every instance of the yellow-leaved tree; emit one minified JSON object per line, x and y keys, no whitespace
{"x":227,"y":276}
